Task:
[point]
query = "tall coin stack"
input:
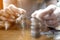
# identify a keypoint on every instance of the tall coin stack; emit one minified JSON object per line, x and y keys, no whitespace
{"x":35,"y":29}
{"x":57,"y":35}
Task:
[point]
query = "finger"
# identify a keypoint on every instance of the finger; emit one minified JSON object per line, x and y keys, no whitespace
{"x":10,"y":13}
{"x":3,"y":13}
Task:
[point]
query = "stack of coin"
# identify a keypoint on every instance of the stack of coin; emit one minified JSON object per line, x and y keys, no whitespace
{"x":57,"y":35}
{"x":35,"y":28}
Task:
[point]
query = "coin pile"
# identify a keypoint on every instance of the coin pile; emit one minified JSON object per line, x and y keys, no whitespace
{"x":35,"y":28}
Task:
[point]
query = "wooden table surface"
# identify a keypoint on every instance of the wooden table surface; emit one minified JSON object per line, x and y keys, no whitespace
{"x":19,"y":35}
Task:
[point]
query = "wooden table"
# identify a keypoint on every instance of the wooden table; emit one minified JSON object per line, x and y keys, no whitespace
{"x":19,"y":35}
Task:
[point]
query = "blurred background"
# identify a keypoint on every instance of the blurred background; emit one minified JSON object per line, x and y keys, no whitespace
{"x":29,"y":5}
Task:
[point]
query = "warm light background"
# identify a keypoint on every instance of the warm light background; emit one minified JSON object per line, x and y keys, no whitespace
{"x":1,"y":4}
